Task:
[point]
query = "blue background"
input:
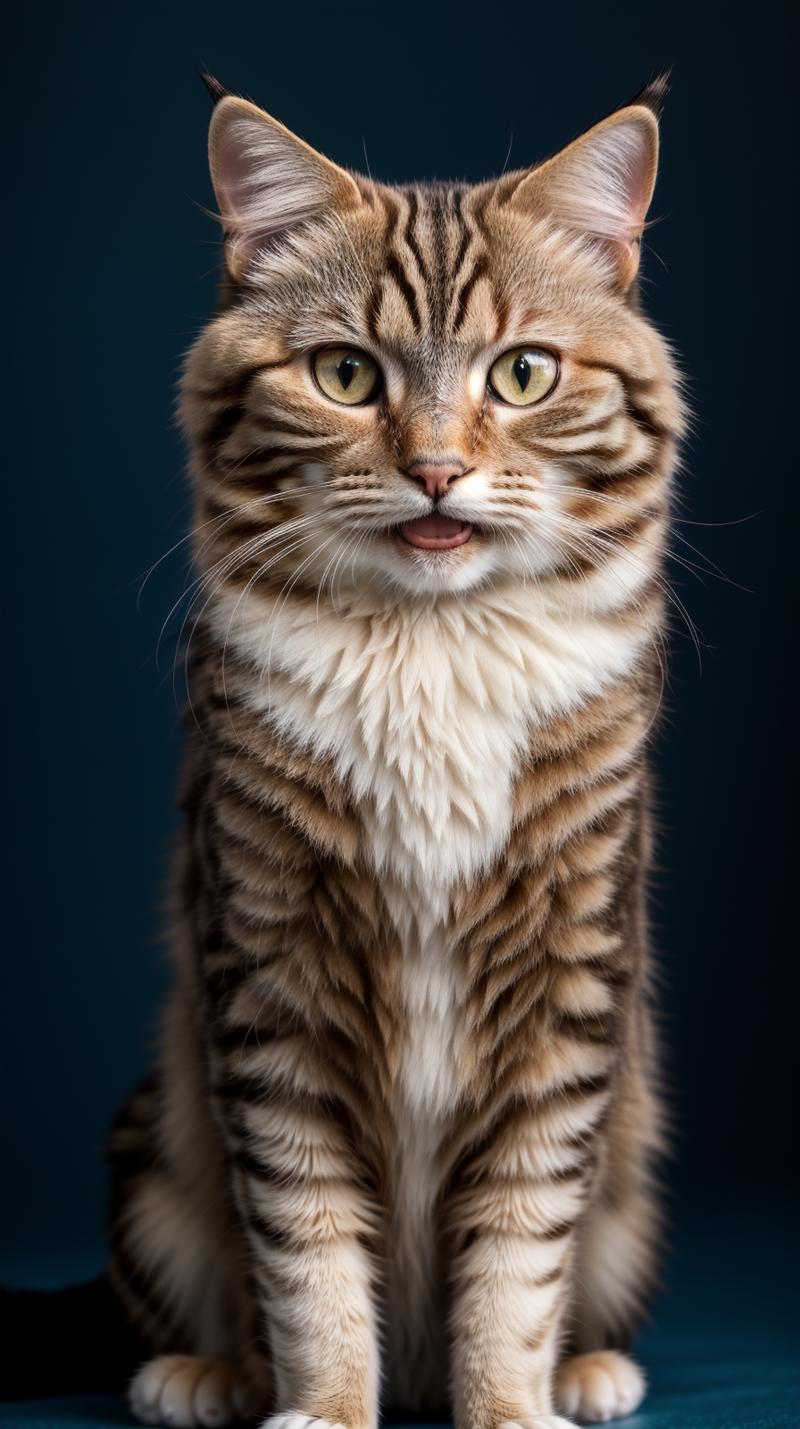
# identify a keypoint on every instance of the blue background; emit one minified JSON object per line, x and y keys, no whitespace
{"x":112,"y":271}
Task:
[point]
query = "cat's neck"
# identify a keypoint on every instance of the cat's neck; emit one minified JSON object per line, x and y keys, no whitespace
{"x":547,"y":645}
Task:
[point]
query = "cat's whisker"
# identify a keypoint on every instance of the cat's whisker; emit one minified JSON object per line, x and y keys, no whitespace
{"x":584,"y":547}
{"x":348,"y":544}
{"x":279,"y":604}
{"x":257,"y":577}
{"x":239,"y":553}
{"x":709,"y":569}
{"x":285,"y":538}
{"x":605,"y":543}
{"x":291,"y":544}
{"x":221,"y":521}
{"x":225,"y":570}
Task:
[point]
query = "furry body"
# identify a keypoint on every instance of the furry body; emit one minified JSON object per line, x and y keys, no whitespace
{"x":399,"y":1143}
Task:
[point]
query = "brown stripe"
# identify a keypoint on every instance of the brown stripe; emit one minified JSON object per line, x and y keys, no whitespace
{"x":396,"y":271}
{"x":410,"y":236}
{"x":480,"y":269}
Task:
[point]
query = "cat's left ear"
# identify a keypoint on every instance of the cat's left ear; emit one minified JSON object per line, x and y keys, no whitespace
{"x":267,"y":180}
{"x":601,"y":185}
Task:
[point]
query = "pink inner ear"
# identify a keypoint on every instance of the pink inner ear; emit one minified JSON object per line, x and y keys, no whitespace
{"x":233,"y":175}
{"x":603,"y":183}
{"x":265,"y":180}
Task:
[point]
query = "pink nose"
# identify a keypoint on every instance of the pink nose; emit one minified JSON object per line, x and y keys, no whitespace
{"x":435,"y":476}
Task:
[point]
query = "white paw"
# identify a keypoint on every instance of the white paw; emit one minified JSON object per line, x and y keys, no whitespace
{"x":539,"y":1421}
{"x":185,"y":1391}
{"x":298,"y":1421}
{"x":600,"y":1386}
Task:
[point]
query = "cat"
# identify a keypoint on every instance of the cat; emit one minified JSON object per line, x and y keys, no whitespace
{"x":399,"y":1147}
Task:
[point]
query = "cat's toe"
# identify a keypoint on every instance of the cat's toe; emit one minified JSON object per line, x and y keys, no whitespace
{"x":187,"y":1392}
{"x":220,"y":1396}
{"x":600,"y":1386}
{"x":146,"y":1388}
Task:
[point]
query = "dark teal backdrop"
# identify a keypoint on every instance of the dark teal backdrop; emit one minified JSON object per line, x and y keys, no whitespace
{"x":112,"y":273}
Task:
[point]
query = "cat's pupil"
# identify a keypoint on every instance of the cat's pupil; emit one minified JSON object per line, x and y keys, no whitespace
{"x":346,"y":371}
{"x":522,"y":371}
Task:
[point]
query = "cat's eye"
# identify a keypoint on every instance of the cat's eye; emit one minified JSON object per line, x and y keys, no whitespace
{"x":523,"y":376}
{"x":346,"y":375}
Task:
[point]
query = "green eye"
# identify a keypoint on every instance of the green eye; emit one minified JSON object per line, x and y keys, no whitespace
{"x":346,"y":375}
{"x":523,"y":376}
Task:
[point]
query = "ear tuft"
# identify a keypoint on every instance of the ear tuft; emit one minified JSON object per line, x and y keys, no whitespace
{"x":654,"y":94}
{"x":212,"y":84}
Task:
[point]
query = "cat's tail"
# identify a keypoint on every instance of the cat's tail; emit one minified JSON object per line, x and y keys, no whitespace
{"x":67,"y":1341}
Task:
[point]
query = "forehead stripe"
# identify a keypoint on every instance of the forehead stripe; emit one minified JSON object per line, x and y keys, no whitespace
{"x":410,"y":237}
{"x":480,"y":268}
{"x":464,"y":244}
{"x":372,"y":312}
{"x":396,"y":271}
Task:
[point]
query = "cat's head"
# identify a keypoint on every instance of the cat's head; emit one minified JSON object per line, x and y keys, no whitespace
{"x":428,"y":388}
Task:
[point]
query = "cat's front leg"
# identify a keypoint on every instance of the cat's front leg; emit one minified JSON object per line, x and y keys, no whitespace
{"x":509,"y":1279}
{"x":307,"y":1219}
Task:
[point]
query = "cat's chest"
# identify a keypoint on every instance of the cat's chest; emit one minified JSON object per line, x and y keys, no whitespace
{"x":431,"y":752}
{"x":425,"y":713}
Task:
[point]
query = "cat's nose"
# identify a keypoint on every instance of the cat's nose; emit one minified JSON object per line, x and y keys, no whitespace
{"x":436,"y":476}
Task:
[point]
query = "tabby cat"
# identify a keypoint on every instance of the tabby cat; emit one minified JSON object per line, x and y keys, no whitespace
{"x":398,"y":1147}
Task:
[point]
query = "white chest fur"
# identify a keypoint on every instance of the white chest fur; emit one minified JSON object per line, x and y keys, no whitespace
{"x":424,"y":710}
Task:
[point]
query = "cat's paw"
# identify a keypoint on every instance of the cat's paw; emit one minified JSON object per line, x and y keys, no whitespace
{"x":600,"y":1386}
{"x":539,"y":1421}
{"x":186,"y":1392}
{"x":298,"y":1421}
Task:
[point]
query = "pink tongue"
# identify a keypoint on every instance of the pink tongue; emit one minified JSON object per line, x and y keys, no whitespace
{"x":434,"y":528}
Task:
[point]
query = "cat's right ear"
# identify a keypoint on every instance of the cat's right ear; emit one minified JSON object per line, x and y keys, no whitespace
{"x":267,"y":181}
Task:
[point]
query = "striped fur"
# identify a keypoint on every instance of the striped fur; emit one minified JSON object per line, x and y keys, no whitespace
{"x":398,"y":1146}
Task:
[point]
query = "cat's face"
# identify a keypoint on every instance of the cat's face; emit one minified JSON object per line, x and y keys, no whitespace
{"x":430,"y":388}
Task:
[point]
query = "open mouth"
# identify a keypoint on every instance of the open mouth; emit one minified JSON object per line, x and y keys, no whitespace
{"x":435,"y":533}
